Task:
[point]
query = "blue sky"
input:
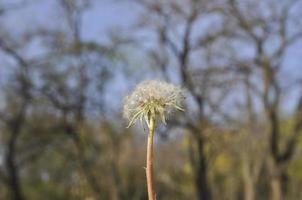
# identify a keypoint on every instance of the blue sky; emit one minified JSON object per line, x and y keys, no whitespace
{"x":103,"y":16}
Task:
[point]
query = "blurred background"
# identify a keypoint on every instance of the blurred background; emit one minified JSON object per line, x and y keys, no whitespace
{"x":66,"y":65}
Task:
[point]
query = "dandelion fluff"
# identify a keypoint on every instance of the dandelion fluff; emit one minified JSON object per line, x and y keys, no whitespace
{"x":151,"y":99}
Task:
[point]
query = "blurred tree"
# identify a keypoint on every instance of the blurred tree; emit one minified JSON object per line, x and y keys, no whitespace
{"x":13,"y":117}
{"x":62,"y":136}
{"x":70,"y":85}
{"x":208,"y":64}
{"x":185,"y":53}
{"x":258,"y":32}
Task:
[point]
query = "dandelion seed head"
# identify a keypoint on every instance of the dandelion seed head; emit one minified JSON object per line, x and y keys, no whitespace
{"x":151,"y":99}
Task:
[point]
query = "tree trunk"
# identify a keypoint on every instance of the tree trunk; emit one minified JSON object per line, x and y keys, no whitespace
{"x":201,"y":174}
{"x":249,"y":187}
{"x":202,"y":185}
{"x":276,"y":189}
{"x":13,"y":175}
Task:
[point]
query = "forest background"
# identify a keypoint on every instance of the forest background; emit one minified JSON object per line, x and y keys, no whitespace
{"x":66,"y":65}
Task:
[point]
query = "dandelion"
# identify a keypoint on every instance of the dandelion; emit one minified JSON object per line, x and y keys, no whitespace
{"x":149,"y":100}
{"x":152,"y":98}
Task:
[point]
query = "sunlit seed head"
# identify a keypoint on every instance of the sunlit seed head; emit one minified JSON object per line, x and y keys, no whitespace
{"x":151,"y":99}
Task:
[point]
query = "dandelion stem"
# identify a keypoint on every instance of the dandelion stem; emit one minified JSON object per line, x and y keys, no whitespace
{"x":149,"y":100}
{"x":149,"y":168}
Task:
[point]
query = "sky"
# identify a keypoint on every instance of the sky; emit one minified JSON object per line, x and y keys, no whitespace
{"x":102,"y":16}
{"x":97,"y":20}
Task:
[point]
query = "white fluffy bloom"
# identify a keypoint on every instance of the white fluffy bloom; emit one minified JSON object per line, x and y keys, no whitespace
{"x":150,"y":99}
